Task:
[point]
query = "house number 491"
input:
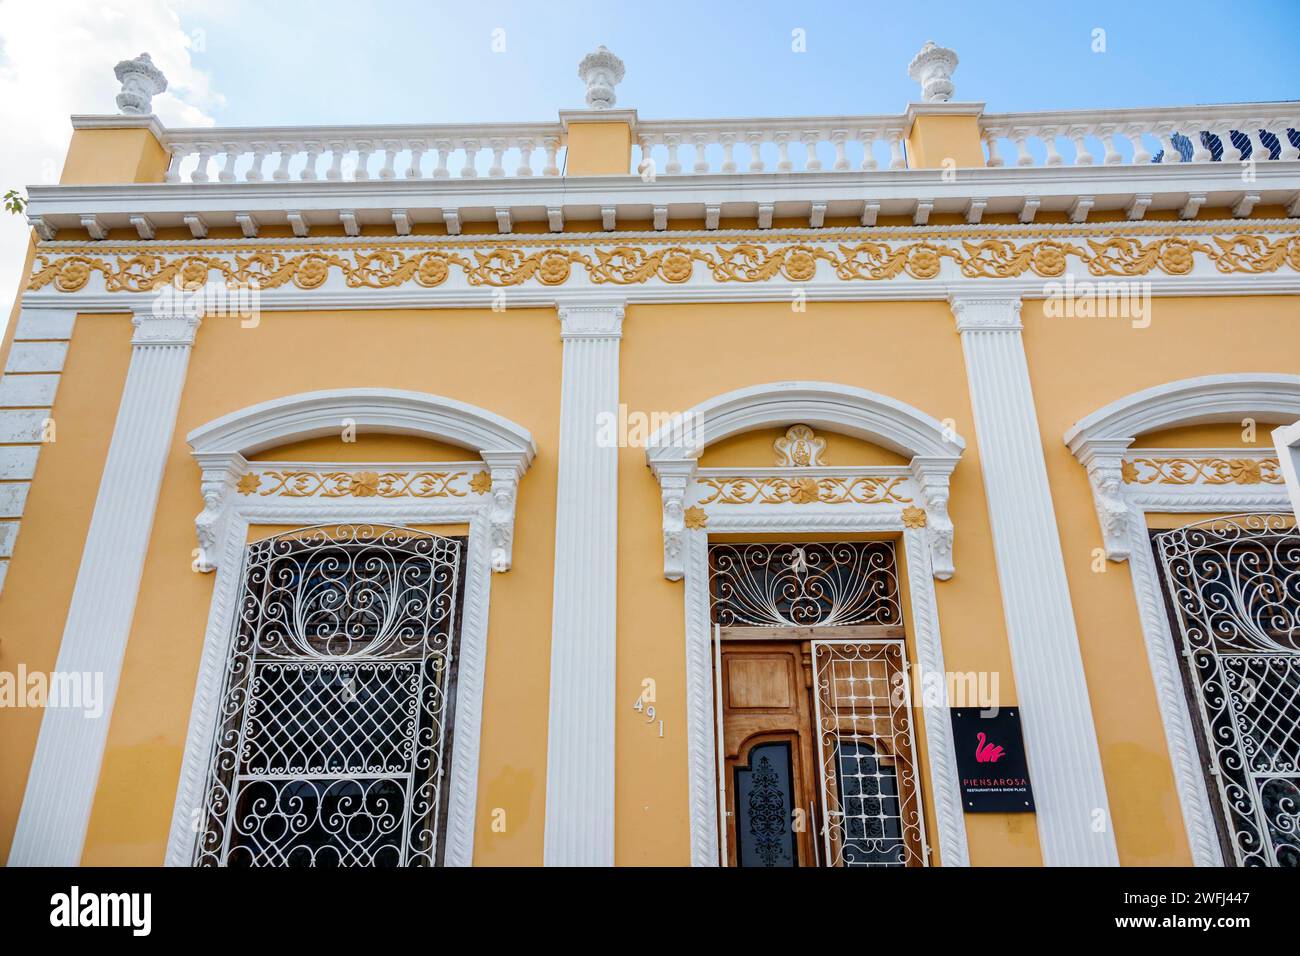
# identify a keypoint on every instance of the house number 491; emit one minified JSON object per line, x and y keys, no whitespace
{"x":645,"y":703}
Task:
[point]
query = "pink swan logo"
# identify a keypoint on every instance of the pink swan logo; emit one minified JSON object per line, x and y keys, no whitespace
{"x":986,"y":752}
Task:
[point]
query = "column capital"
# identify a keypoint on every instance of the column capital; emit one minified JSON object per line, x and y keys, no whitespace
{"x":594,"y":320}
{"x":163,"y":328}
{"x":986,"y":313}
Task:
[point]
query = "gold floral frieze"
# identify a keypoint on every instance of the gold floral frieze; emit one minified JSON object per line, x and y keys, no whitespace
{"x":382,"y":266}
{"x":1208,"y":471}
{"x":862,"y":490}
{"x":364,"y":484}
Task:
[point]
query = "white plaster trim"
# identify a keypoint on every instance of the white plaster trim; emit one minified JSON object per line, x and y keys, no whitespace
{"x":580,"y":744}
{"x":1101,"y":442}
{"x":672,"y":452}
{"x":927,"y":644}
{"x":1286,"y":439}
{"x":64,"y":773}
{"x":1060,"y":735}
{"x":220,"y":445}
{"x":462,"y":788}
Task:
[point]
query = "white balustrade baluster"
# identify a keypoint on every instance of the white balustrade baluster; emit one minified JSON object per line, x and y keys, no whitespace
{"x":700,"y":141}
{"x":810,"y":139}
{"x":754,"y":141}
{"x":176,"y":157}
{"x":894,"y":137}
{"x":418,"y":148}
{"x":497,"y":170}
{"x":1200,"y":151}
{"x":313,"y":150}
{"x":200,"y":174}
{"x":991,"y":144}
{"x":337,"y":149}
{"x":364,"y":148}
{"x":673,"y":166}
{"x":1107,"y":136}
{"x":783,"y":164}
{"x":1020,"y":137}
{"x":526,"y":146}
{"x":1078,"y":136}
{"x":867,"y":137}
{"x":471,"y":147}
{"x":728,"y":153}
{"x":1232,"y":153}
{"x":286,"y":151}
{"x":1048,"y":135}
{"x":1288,"y":151}
{"x":254,"y":174}
{"x":443,"y":147}
{"x":552,"y":146}
{"x":233,"y":151}
{"x":839,"y":137}
{"x":1141,"y":154}
{"x":391,"y":148}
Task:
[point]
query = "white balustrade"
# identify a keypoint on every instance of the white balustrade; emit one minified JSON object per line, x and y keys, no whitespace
{"x":335,"y":153}
{"x":1136,"y":137}
{"x":807,"y":145}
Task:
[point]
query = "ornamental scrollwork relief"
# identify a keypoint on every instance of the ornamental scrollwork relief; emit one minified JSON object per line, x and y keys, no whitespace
{"x":777,"y":490}
{"x":497,"y":265}
{"x":1201,"y":470}
{"x":364,"y":484}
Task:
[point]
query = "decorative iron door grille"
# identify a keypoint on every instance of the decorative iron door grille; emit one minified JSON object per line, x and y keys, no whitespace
{"x":335,"y":713}
{"x":1233,"y":586}
{"x":866,"y":758}
{"x":804,"y":585}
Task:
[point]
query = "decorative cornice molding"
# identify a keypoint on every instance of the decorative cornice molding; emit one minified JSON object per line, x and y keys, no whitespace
{"x":1102,"y":442}
{"x":220,"y":445}
{"x":672,"y":452}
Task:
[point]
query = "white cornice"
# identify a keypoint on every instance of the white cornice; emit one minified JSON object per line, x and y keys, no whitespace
{"x":898,"y":191}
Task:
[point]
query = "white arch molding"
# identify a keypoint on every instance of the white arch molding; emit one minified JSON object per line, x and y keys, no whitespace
{"x":221,"y":446}
{"x":933,"y":451}
{"x":1102,"y":442}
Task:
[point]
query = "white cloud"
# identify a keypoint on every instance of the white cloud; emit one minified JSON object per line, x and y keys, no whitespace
{"x":57,"y":59}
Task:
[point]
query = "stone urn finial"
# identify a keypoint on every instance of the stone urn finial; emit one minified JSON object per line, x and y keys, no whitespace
{"x":932,"y":68}
{"x":141,"y":82}
{"x":601,"y":71}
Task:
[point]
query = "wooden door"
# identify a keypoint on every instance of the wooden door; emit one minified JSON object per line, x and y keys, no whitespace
{"x":770,"y":774}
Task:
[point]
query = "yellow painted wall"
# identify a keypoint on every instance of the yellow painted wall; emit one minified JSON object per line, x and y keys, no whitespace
{"x":598,"y":149}
{"x":675,"y":356}
{"x":47,"y":554}
{"x":1076,"y":367}
{"x":114,"y":156}
{"x":508,"y":363}
{"x":936,"y":138}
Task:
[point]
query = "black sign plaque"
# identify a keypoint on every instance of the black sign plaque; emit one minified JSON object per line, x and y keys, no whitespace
{"x":991,"y":760}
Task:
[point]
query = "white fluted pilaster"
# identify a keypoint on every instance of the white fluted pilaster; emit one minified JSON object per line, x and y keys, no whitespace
{"x":65,"y":770}
{"x":580,"y":738}
{"x":1074,"y":823}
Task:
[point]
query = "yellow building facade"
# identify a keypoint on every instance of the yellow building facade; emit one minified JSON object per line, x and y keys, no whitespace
{"x":612,"y":491}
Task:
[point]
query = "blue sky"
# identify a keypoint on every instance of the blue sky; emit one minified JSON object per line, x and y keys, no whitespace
{"x":344,"y":61}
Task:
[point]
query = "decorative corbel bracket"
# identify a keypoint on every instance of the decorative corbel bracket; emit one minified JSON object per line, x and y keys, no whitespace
{"x":932,"y":475}
{"x":220,"y":474}
{"x":1104,"y":461}
{"x":506,"y":469}
{"x":675,"y":477}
